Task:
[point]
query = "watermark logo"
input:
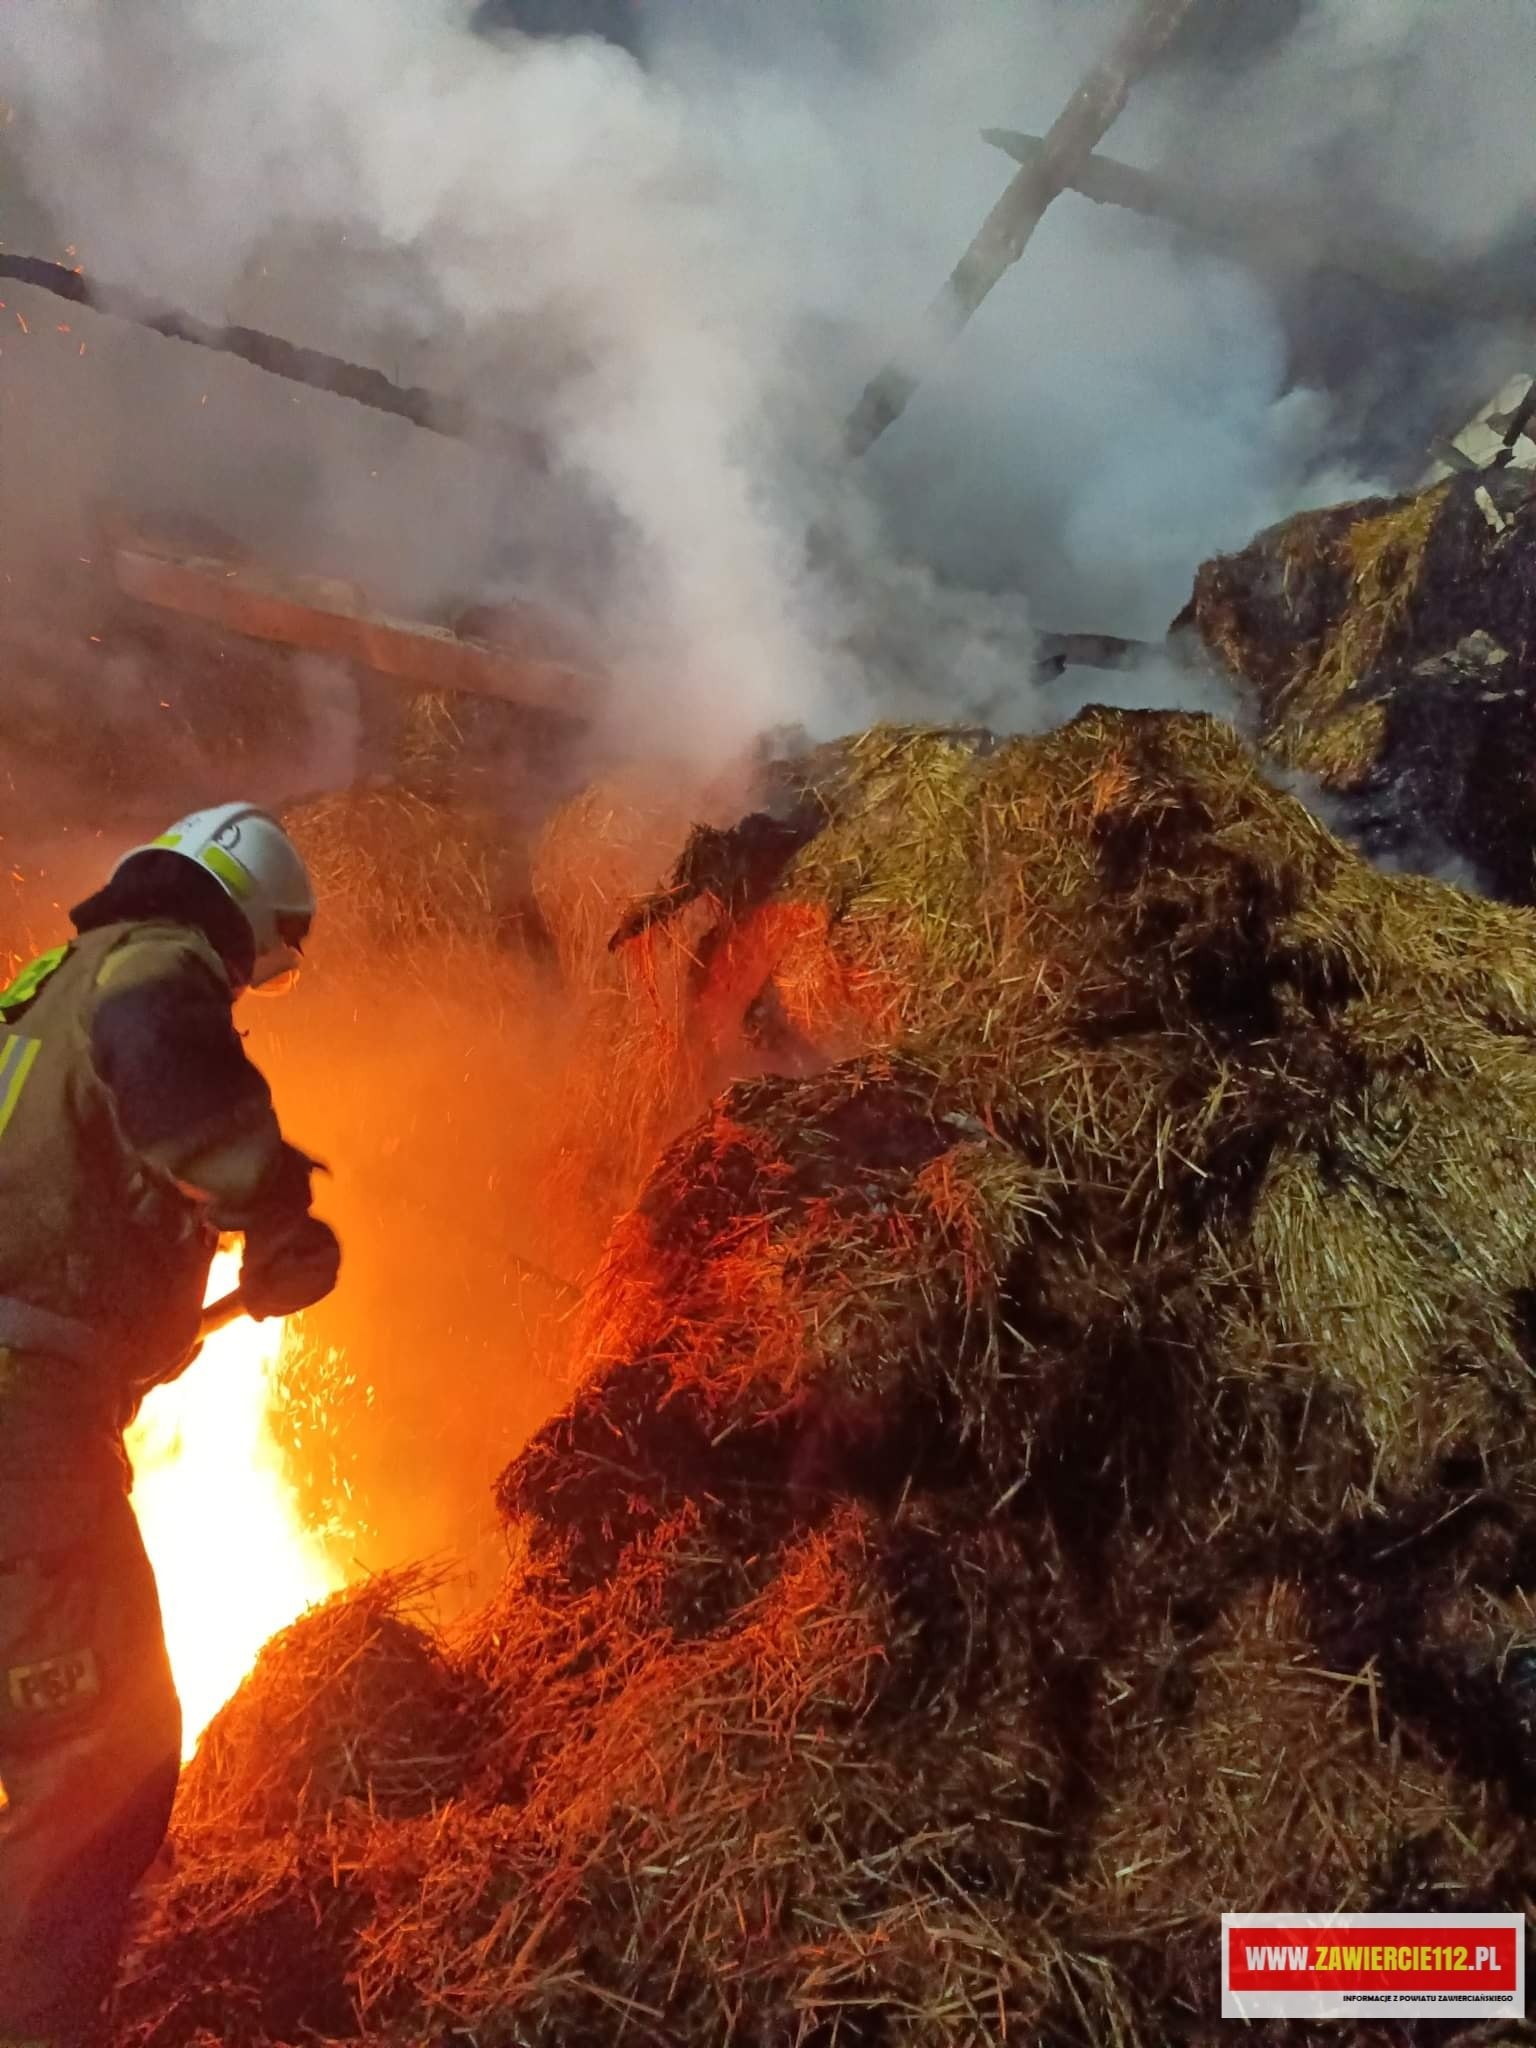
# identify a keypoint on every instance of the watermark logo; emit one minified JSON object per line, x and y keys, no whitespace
{"x":1349,"y":1965}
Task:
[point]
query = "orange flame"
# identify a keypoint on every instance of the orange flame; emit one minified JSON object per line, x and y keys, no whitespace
{"x":232,"y":1553}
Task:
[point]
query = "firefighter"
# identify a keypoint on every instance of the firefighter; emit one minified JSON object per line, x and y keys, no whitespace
{"x":133,"y":1132}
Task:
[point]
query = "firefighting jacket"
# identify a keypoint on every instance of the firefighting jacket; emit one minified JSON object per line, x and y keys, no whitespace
{"x":133,"y":1129}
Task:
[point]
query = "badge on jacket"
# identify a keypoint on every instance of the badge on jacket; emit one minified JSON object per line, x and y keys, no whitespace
{"x":56,"y":1683}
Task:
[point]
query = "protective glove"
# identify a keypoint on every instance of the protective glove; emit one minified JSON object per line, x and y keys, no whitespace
{"x":289,"y":1267}
{"x":284,"y":1193}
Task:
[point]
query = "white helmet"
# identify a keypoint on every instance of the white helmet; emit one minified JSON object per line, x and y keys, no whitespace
{"x":259,"y":868}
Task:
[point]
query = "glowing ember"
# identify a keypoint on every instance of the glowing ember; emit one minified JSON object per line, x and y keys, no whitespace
{"x":234,"y":1557}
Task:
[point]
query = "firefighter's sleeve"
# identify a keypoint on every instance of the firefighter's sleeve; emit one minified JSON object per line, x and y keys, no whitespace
{"x":163,"y":1041}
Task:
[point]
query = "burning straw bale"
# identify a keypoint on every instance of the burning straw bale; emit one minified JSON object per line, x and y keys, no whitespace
{"x":1039,"y":1454}
{"x":251,"y":1943}
{"x":600,"y":850}
{"x":1239,"y":1098}
{"x":637,"y":1079}
{"x":401,"y":875}
{"x":745,"y":1842}
{"x":1164,"y":1195}
{"x":353,"y":1703}
{"x":1387,"y":647}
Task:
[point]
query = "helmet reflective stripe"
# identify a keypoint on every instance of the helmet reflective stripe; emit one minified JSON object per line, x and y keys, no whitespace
{"x":258,"y":867}
{"x":229,"y":871}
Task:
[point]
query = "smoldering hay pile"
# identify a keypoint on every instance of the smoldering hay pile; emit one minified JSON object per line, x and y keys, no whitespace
{"x":420,"y":865}
{"x":1387,"y":648}
{"x":1054,"y":1462}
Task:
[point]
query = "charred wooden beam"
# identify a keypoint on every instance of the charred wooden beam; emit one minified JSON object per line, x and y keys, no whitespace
{"x":1005,"y":233}
{"x":329,"y":618}
{"x":1057,"y":651}
{"x":1266,"y":234}
{"x":1515,"y":425}
{"x":310,"y":367}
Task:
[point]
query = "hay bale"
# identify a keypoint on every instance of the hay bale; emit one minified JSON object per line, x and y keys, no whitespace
{"x":353,"y":1728}
{"x":1275,"y":1110}
{"x":248,"y":1944}
{"x":452,"y":748}
{"x":915,"y":1786}
{"x":636,"y":1078}
{"x":721,"y":1850}
{"x":1386,"y":646}
{"x":1265,"y":1712}
{"x":353,"y":1704}
{"x":1173,"y":1209}
{"x":399,"y":874}
{"x":609,"y":843}
{"x":1011,"y":1440}
{"x":807,"y":1281}
{"x":1433,"y":1599}
{"x":1240,"y":1762}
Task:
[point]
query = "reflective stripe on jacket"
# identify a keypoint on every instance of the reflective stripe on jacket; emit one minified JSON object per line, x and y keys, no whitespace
{"x":131,"y":1124}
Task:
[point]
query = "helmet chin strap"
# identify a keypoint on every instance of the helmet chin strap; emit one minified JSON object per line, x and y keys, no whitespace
{"x":276,"y":973}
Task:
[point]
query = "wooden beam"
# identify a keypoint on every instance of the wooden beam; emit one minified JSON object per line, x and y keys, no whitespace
{"x":1267,"y":235}
{"x":312,"y":367}
{"x":1057,"y":651}
{"x":1004,"y":234}
{"x":329,"y":618}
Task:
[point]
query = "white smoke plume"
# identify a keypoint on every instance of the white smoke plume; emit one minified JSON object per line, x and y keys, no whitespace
{"x":681,"y":274}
